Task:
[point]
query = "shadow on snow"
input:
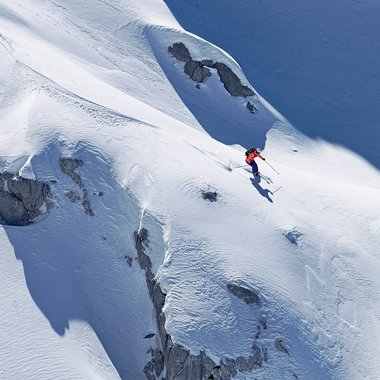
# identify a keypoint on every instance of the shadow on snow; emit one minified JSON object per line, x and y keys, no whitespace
{"x":75,"y":266}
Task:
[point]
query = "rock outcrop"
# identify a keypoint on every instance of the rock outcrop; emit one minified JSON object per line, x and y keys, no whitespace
{"x":199,"y":71}
{"x":180,"y":52}
{"x":68,"y":166}
{"x":251,"y":107}
{"x":294,"y":236}
{"x":22,"y":200}
{"x":211,"y":196}
{"x":247,"y":295}
{"x":196,"y":71}
{"x":231,"y":81}
{"x":180,"y":363}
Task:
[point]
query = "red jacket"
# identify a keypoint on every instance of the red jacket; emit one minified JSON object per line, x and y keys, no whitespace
{"x":252,"y":156}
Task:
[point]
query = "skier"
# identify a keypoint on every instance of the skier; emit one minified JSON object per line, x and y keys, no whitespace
{"x":251,"y":154}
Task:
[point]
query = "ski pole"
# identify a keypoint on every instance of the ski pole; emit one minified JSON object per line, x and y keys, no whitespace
{"x":272,"y":167}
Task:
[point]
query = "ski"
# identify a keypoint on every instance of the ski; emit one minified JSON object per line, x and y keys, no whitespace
{"x":268,"y":180}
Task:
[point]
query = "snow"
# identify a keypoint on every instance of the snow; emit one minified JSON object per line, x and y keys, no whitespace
{"x":315,"y":62}
{"x":93,"y":80}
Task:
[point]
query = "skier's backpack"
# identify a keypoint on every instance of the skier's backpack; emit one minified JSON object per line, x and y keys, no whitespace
{"x":249,"y":151}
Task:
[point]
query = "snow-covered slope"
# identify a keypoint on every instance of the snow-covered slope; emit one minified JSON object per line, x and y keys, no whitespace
{"x":316,"y":62}
{"x":93,"y":81}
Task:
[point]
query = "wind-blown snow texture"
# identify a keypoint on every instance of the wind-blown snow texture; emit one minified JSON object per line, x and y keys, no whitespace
{"x":93,"y":81}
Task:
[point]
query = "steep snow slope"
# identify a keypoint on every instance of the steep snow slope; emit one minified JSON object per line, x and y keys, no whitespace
{"x":93,"y":80}
{"x":316,"y":62}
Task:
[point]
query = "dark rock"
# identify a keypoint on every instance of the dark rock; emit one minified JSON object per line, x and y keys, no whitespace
{"x":86,"y":204}
{"x":231,"y":365}
{"x":129,"y":260}
{"x":264,"y":323}
{"x":249,"y":364}
{"x":149,"y":371}
{"x":12,"y":210}
{"x":258,"y":333}
{"x":293,"y":236}
{"x":279,"y":344}
{"x":221,"y":372}
{"x":180,"y":52}
{"x":232,"y":82}
{"x":159,"y":301}
{"x":243,"y":364}
{"x":208,"y":63}
{"x":68,"y":166}
{"x":257,"y":358}
{"x":148,"y":336}
{"x":251,"y":107}
{"x":196,"y":71}
{"x":4,"y":176}
{"x":247,"y":295}
{"x":141,"y":238}
{"x":199,"y":72}
{"x":265,"y":353}
{"x":175,"y":361}
{"x":33,"y":194}
{"x":194,"y":367}
{"x":73,"y":196}
{"x":21,"y":203}
{"x":211,"y":196}
{"x":158,"y":361}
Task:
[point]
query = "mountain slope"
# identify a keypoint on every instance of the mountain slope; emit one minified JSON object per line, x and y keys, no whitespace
{"x":315,"y":62}
{"x":93,"y":81}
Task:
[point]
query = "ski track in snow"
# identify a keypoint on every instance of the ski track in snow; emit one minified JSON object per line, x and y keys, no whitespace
{"x":74,"y":309}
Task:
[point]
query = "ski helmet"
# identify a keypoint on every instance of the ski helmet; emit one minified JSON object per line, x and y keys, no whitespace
{"x":258,"y":150}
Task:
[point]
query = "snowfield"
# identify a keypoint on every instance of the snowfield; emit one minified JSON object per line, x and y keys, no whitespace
{"x":93,"y":81}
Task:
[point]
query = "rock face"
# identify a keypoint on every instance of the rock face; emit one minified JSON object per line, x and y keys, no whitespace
{"x":180,"y":363}
{"x":231,"y":81}
{"x":251,"y":107}
{"x":211,"y":196}
{"x":68,"y":166}
{"x":176,"y":360}
{"x":293,"y":236}
{"x":156,"y":366}
{"x":22,"y":199}
{"x":180,"y":52}
{"x":198,"y":71}
{"x":73,"y":196}
{"x":12,"y":210}
{"x":247,"y":295}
